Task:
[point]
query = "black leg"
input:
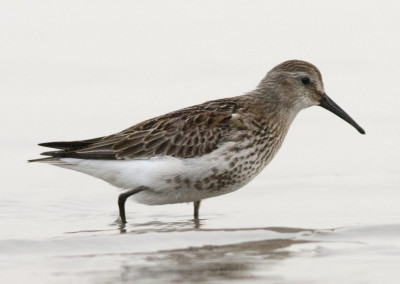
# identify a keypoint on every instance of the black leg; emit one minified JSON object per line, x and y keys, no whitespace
{"x":196,"y":208}
{"x":123,"y":197}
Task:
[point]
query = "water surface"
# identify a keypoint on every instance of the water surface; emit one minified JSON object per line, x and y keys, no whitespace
{"x":326,"y":210}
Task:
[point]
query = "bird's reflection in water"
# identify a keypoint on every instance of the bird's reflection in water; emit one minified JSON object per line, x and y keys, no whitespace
{"x":208,"y":263}
{"x":238,"y":261}
{"x":194,"y":225}
{"x":159,"y":226}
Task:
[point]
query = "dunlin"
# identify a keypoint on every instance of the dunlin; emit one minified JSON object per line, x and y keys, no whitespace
{"x":201,"y":151}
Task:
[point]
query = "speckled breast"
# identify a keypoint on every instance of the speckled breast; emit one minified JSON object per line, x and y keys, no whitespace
{"x":230,"y":168}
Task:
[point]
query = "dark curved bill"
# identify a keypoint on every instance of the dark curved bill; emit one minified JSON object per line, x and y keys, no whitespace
{"x":330,"y":105}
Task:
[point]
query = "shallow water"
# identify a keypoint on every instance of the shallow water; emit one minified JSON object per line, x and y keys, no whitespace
{"x":326,"y":210}
{"x":268,"y":232}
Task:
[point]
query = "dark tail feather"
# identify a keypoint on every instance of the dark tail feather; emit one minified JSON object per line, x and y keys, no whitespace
{"x":74,"y":149}
{"x":77,"y":155}
{"x":49,"y":159}
{"x":52,"y":153}
{"x":70,"y":145}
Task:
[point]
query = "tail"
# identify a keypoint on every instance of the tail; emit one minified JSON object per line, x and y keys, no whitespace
{"x":71,"y":145}
{"x":49,"y":160}
{"x":66,"y":149}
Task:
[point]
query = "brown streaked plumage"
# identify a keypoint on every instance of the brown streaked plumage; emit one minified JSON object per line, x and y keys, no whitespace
{"x":186,"y":133}
{"x":204,"y":150}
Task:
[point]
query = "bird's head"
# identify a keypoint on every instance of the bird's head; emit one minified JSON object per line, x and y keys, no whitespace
{"x":297,"y":85}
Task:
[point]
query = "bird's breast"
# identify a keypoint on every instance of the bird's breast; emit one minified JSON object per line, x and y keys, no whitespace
{"x":231,"y":166}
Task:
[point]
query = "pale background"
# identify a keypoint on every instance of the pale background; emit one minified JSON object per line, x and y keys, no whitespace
{"x":82,"y":69}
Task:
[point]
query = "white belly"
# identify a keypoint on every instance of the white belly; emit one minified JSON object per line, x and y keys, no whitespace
{"x":168,"y":179}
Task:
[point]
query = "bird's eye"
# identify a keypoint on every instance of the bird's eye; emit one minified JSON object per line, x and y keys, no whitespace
{"x":305,"y":80}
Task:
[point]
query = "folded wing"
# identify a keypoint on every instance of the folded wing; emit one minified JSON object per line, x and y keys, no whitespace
{"x":190,"y":132}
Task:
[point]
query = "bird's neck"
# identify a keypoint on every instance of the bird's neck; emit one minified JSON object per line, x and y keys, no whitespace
{"x":269,"y":108}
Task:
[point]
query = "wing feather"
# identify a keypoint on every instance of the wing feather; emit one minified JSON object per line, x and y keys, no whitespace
{"x":190,"y":132}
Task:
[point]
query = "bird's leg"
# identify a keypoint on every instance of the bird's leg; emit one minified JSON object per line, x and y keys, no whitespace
{"x":122,"y":198}
{"x":196,"y":208}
